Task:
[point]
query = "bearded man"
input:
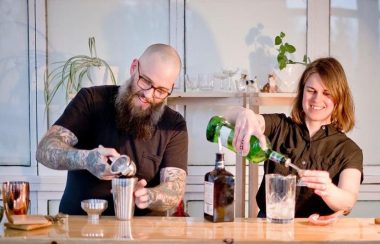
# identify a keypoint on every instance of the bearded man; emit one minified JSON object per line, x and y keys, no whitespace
{"x":102,"y":122}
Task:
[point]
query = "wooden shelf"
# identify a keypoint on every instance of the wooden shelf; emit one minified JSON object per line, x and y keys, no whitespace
{"x":211,"y":98}
{"x":271,"y":99}
{"x":230,"y":98}
{"x":231,"y":94}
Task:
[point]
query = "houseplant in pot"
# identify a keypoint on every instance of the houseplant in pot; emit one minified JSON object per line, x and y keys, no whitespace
{"x":289,"y":71}
{"x":74,"y":73}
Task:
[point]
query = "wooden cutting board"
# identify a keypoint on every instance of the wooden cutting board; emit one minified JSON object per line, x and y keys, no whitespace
{"x":29,"y":219}
{"x":27,"y":226}
{"x":28,"y":222}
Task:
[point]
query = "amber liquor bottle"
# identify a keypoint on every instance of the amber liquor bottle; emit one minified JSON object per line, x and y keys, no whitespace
{"x":219,"y":188}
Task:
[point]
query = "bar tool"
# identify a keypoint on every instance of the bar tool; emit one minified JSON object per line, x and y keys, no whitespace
{"x":94,"y":208}
{"x":124,"y":166}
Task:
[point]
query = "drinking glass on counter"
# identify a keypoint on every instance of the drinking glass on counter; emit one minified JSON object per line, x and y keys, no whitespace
{"x":15,"y":198}
{"x":280,"y":194}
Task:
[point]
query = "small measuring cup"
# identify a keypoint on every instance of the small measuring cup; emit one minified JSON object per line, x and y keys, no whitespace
{"x":123,"y":165}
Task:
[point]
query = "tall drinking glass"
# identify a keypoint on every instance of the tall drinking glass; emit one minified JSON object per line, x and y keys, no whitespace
{"x":15,"y":198}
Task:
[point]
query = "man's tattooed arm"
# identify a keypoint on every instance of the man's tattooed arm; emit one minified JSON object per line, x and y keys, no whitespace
{"x":56,"y":151}
{"x":170,"y":191}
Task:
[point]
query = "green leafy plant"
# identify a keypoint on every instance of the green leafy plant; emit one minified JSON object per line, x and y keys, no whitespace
{"x":284,"y":49}
{"x":69,"y":75}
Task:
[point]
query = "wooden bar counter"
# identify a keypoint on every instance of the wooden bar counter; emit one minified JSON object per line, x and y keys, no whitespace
{"x":77,"y":229}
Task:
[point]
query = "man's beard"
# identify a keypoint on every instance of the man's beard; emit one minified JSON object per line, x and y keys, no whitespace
{"x":134,"y":120}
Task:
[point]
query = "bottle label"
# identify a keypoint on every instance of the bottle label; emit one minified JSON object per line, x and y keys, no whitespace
{"x":224,"y":134}
{"x":209,"y":198}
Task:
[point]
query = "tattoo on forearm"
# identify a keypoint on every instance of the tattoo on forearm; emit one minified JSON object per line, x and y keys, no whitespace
{"x":170,"y":191}
{"x":56,"y":151}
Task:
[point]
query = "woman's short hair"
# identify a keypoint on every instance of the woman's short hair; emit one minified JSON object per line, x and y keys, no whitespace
{"x":334,"y":78}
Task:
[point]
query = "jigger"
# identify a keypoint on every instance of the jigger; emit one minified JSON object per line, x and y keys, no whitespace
{"x":123,"y":165}
{"x":94,"y":208}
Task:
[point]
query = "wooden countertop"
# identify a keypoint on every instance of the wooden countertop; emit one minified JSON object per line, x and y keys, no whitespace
{"x":195,"y":230}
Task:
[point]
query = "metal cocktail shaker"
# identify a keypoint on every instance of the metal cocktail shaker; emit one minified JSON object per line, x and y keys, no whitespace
{"x":122,"y":191}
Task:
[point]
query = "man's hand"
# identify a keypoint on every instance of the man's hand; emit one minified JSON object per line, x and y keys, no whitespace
{"x":165,"y":196}
{"x":56,"y":151}
{"x":141,"y":194}
{"x":97,"y":164}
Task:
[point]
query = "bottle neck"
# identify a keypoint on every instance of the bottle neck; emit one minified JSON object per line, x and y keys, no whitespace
{"x":277,"y":157}
{"x":219,"y":161}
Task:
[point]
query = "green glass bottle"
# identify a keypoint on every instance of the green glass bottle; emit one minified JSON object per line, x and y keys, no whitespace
{"x":220,"y":127}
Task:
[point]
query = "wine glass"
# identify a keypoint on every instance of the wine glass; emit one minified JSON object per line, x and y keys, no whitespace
{"x":222,"y":78}
{"x":230,"y":73}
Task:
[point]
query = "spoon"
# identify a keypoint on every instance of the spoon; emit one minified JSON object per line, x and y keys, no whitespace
{"x":300,"y":172}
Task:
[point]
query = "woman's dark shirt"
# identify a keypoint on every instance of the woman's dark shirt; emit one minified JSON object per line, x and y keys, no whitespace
{"x":329,"y":150}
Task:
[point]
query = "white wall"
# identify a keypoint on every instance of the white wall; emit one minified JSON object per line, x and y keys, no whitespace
{"x":210,"y":36}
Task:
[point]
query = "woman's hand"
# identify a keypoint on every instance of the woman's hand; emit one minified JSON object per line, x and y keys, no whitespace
{"x":318,"y":180}
{"x":248,"y":123}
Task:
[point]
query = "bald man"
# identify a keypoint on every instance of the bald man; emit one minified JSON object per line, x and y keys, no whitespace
{"x":105,"y":121}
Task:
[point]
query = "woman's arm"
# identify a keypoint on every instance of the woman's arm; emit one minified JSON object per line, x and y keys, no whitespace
{"x":338,"y":197}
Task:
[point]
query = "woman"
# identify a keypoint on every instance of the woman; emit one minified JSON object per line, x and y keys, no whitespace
{"x":315,"y":140}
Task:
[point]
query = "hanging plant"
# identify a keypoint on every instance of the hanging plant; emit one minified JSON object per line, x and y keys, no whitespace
{"x":70,"y":74}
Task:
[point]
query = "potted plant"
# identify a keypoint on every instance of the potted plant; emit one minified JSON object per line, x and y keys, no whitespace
{"x":289,"y":71}
{"x":71,"y":74}
{"x":284,"y":49}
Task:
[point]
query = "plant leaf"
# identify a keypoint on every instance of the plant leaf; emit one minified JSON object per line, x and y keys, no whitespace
{"x":277,"y":41}
{"x":289,"y":48}
{"x":109,"y":70}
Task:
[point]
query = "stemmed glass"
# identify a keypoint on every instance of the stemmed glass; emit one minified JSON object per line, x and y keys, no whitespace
{"x":230,"y":73}
{"x":222,"y":78}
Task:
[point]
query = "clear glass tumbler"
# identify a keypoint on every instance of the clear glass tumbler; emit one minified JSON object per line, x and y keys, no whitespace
{"x":280,"y":194}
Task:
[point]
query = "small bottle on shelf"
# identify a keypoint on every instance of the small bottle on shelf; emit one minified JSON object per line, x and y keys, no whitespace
{"x":219,"y":188}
